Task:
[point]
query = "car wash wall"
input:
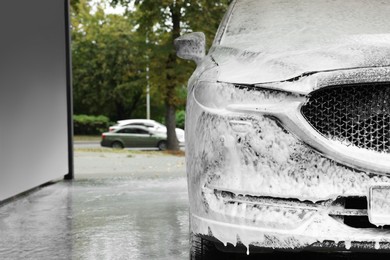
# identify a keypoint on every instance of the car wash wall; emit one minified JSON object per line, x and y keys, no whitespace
{"x":35,"y":103}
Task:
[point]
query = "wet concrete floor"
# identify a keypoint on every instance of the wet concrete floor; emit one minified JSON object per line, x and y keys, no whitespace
{"x":120,"y":206}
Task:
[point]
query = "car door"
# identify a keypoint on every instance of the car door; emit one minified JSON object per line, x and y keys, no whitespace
{"x":146,"y":138}
{"x":128,"y":136}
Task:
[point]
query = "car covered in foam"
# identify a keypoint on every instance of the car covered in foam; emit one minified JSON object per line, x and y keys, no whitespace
{"x":288,"y":127}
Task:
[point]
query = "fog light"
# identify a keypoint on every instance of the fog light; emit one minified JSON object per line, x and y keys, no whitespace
{"x":379,"y":205}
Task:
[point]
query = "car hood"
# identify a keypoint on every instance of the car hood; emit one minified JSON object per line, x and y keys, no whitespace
{"x":250,"y":63}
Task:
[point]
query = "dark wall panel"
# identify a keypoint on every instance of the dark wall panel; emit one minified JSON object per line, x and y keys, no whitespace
{"x":33,"y":94}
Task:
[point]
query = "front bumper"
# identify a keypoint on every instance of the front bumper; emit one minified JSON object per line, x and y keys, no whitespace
{"x":319,"y":233}
{"x":294,"y":188}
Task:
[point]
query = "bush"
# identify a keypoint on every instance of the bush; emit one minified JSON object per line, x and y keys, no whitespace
{"x":180,"y":119}
{"x":90,"y":125}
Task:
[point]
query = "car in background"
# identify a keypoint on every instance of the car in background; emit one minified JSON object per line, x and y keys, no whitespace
{"x":150,"y":124}
{"x":288,"y":128}
{"x":134,"y":136}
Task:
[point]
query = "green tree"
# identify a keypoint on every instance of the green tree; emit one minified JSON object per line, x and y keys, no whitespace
{"x":108,"y":63}
{"x":74,"y":4}
{"x":162,"y":22}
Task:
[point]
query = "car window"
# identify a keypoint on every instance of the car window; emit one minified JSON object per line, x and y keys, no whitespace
{"x":128,"y":131}
{"x":279,"y":24}
{"x":141,"y":131}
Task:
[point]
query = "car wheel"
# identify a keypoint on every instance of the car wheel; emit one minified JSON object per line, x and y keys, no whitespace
{"x":162,"y":145}
{"x":117,"y":145}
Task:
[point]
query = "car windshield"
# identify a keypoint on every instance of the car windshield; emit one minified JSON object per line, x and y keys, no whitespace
{"x":268,"y":24}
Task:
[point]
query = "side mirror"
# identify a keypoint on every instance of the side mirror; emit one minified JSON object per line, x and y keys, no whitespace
{"x":191,"y":46}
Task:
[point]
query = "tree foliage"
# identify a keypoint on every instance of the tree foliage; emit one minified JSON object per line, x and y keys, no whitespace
{"x":111,"y":53}
{"x":161,"y":22}
{"x":108,"y":63}
{"x":90,"y":125}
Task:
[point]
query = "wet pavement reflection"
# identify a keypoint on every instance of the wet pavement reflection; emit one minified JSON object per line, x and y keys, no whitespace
{"x":120,"y":217}
{"x":120,"y":206}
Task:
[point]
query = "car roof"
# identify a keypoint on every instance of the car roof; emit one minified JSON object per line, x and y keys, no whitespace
{"x":125,"y":121}
{"x":133,"y":127}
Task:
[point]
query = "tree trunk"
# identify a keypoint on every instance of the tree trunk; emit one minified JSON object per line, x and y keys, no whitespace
{"x":170,"y":119}
{"x":170,"y":113}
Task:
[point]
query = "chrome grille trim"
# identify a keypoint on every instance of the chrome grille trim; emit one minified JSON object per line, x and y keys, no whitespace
{"x":357,"y":115}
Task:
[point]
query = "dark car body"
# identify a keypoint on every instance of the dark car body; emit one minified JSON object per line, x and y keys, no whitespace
{"x":134,"y":136}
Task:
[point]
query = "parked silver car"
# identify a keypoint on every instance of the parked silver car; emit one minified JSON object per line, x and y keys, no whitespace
{"x":150,"y":124}
{"x":288,"y":127}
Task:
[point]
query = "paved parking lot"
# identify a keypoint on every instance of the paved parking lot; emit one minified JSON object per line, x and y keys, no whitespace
{"x":121,"y":206}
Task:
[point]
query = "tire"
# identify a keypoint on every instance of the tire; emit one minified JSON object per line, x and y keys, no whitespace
{"x":162,"y":145}
{"x":117,"y":145}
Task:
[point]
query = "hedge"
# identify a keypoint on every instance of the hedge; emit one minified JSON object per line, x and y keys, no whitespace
{"x":180,"y":118}
{"x":90,"y":125}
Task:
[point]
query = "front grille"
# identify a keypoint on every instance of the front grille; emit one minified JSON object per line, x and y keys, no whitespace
{"x":356,"y":115}
{"x":359,"y":218}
